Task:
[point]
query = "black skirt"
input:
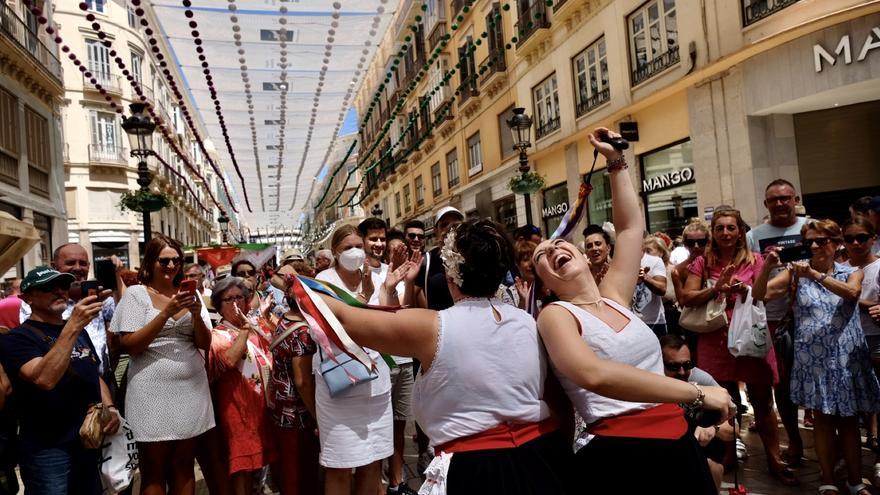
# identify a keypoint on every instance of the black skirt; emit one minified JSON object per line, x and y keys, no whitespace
{"x":630,"y":465}
{"x":541,"y":466}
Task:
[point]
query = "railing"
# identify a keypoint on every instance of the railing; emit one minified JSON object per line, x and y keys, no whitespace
{"x":437,"y":34}
{"x":546,"y":127}
{"x":107,"y":154}
{"x":442,"y":108}
{"x":17,"y":30}
{"x":660,"y":63}
{"x":468,"y":88}
{"x":112,"y":83}
{"x":148,"y":92}
{"x":457,"y":5}
{"x":497,"y":65}
{"x":755,"y":10}
{"x":584,"y":105}
{"x":530,"y":20}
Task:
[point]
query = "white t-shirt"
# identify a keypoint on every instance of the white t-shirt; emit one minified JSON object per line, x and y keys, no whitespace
{"x":764,"y":236}
{"x":871,"y":292}
{"x":382,"y":271}
{"x":653,"y":312}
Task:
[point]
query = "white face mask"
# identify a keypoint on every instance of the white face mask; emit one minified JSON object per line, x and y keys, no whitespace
{"x":352,"y":259}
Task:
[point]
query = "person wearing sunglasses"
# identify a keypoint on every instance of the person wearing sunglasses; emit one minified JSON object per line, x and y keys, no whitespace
{"x":414,"y":230}
{"x":831,"y":373}
{"x":726,"y":270}
{"x":263,"y":303}
{"x":168,"y":402}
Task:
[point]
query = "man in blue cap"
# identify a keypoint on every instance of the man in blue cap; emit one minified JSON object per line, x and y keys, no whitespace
{"x":54,"y":370}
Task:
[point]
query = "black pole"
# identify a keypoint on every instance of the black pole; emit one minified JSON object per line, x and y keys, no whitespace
{"x":524,"y":169}
{"x":144,"y":180}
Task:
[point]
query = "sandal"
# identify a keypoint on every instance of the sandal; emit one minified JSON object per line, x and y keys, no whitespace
{"x":828,"y":489}
{"x":860,"y":489}
{"x":784,"y":475}
{"x":793,"y":459}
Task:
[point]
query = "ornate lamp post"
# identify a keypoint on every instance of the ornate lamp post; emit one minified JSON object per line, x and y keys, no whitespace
{"x":223,"y":220}
{"x":140,"y":129}
{"x":520,"y":127}
{"x":376,"y":211}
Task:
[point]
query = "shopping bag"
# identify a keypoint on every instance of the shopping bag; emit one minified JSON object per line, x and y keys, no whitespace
{"x":119,"y":458}
{"x":748,"y":334}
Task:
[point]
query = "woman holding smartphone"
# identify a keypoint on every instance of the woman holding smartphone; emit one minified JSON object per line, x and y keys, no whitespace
{"x":168,"y":403}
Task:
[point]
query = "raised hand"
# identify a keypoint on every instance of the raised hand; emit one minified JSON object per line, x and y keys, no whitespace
{"x":522,"y":288}
{"x":608,"y":151}
{"x":367,"y":287}
{"x":412,"y":272}
{"x":397,"y":256}
{"x":394,"y":277}
{"x":84,"y":312}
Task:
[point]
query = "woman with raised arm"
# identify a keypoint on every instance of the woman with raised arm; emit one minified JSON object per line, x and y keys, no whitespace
{"x":831,"y":373}
{"x":610,"y":364}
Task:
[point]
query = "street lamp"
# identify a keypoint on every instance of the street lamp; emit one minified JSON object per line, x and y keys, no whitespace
{"x":376,"y":211}
{"x":224,"y":225}
{"x":140,"y":129}
{"x":521,"y":127}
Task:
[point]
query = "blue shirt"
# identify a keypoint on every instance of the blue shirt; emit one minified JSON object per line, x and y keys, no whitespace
{"x":50,"y":418}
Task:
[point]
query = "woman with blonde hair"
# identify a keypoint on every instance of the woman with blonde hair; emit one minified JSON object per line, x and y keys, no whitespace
{"x":832,"y":369}
{"x":726,"y":270}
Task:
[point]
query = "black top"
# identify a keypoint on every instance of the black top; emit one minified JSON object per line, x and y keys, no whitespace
{"x":439,"y":297}
{"x":50,"y":418}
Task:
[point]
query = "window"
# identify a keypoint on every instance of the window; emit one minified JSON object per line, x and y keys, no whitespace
{"x":36,"y":128}
{"x":555,"y":206}
{"x":435,"y":12}
{"x":9,"y":133}
{"x":468,"y":71}
{"x":106,"y":145}
{"x":755,"y":10}
{"x":99,"y":61}
{"x":397,"y":212}
{"x":505,"y":134}
{"x":475,"y":155}
{"x":494,"y":28}
{"x":669,"y":189}
{"x":96,"y":5}
{"x":436,"y":180}
{"x":653,"y":35}
{"x":435,"y":78}
{"x":452,"y":168}
{"x":132,"y":17}
{"x":407,"y":198}
{"x":420,"y":191}
{"x":591,"y":77}
{"x":137,"y":61}
{"x":505,"y":213}
{"x":546,"y":97}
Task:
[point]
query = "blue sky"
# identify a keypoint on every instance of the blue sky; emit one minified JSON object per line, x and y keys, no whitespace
{"x":350,"y":124}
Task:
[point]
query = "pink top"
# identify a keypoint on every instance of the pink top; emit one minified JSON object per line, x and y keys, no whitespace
{"x":712,"y":353}
{"x":10,"y":312}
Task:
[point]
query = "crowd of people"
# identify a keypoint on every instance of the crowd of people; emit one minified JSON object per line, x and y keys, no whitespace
{"x":528,"y":365}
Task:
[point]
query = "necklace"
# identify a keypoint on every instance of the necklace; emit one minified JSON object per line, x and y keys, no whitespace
{"x":591,"y":302}
{"x":602,"y":271}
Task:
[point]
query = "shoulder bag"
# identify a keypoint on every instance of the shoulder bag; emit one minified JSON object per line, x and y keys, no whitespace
{"x":344,"y":372}
{"x":707,"y":317}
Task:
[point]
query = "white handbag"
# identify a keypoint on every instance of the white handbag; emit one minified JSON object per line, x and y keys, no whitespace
{"x":119,"y":458}
{"x":748,"y":334}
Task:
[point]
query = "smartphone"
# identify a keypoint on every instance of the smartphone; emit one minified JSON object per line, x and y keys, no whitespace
{"x":794,"y":253}
{"x":105,"y":272}
{"x":90,"y":288}
{"x":188,"y":286}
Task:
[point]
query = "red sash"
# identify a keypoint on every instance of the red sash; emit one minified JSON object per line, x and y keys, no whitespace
{"x":503,"y":436}
{"x":665,"y":421}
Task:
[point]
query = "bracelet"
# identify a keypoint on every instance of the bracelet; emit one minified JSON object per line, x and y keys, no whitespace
{"x":699,"y":401}
{"x":616,"y":164}
{"x":822,"y":277}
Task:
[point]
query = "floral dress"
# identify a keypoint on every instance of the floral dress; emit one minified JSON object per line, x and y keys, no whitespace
{"x":240,"y":398}
{"x":832,"y":370}
{"x":292,"y":340}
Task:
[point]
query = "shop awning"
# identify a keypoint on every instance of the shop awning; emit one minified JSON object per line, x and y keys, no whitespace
{"x":16,"y":239}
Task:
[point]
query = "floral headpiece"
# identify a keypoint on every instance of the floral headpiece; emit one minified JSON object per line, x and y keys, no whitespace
{"x":452,"y":259}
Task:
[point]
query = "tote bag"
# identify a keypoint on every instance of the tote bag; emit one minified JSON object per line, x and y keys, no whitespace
{"x":748,"y":335}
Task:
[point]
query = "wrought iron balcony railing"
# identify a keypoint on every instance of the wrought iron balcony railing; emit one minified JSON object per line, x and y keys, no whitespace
{"x":530,"y":20}
{"x":16,"y":30}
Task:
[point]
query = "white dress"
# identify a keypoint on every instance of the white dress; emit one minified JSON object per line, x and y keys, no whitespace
{"x":168,"y":396}
{"x":355,"y":427}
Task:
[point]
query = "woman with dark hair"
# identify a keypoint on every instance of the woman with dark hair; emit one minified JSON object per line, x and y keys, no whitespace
{"x":480,"y":395}
{"x":610,"y":363}
{"x":168,"y":403}
{"x":240,"y":372}
{"x":726,"y":270}
{"x":832,"y":370}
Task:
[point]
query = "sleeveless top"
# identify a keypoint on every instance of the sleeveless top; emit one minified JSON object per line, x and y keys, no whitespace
{"x":485,"y":372}
{"x":635,"y":345}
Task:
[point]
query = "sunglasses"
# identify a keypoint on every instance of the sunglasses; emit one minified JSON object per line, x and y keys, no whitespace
{"x":860,"y":238}
{"x":696,"y":242}
{"x":686,"y":365}
{"x":819,"y":241}
{"x":168,"y":261}
{"x":50,"y":288}
{"x":412,"y":236}
{"x":246,"y":273}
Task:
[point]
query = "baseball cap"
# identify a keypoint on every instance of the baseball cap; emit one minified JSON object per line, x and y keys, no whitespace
{"x":42,"y":276}
{"x":446,"y":210}
{"x":292,"y":254}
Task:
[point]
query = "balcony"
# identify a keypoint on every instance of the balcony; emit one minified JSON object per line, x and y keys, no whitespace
{"x":586,"y":104}
{"x":102,"y":153}
{"x":755,"y":10}
{"x":107,"y":81}
{"x":493,"y":64}
{"x":653,"y":67}
{"x":17,"y":31}
{"x":467,"y":88}
{"x":148,"y":92}
{"x":530,"y":21}
{"x":436,"y":35}
{"x":457,"y":5}
{"x":543,"y":128}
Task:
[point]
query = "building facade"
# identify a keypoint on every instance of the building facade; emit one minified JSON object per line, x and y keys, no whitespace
{"x":31,"y":96}
{"x":97,"y":157}
{"x":717,"y":98}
